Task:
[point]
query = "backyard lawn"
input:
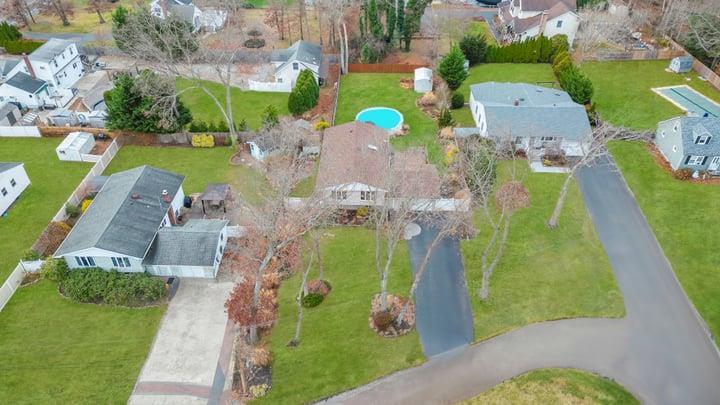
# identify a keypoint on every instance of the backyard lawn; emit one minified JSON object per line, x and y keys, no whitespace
{"x":248,"y":105}
{"x":556,"y":386}
{"x":81,"y":20}
{"x":544,"y":274}
{"x":200,"y":166}
{"x":682,"y":223}
{"x":482,"y":28}
{"x":623,"y":94}
{"x":363,"y":90}
{"x":338,"y":350}
{"x":56,"y":351}
{"x":37,"y":205}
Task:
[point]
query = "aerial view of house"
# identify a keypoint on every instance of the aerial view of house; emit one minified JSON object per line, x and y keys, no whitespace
{"x":359,"y":202}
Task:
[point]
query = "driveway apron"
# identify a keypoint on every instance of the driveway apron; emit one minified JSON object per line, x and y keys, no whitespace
{"x":443,"y":316}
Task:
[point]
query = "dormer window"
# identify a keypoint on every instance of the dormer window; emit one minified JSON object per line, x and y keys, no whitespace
{"x":296,"y":66}
{"x":702,"y":139}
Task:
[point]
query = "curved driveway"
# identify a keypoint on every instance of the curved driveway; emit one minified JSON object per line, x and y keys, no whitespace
{"x":660,"y":351}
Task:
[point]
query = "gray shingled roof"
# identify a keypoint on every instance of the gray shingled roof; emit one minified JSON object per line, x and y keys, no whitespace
{"x":302,"y":51}
{"x":692,"y":127}
{"x":7,"y":65}
{"x":50,"y":49}
{"x":117,"y":222}
{"x":25,"y":82}
{"x":5,"y":166}
{"x":6,"y":109}
{"x":541,"y":111}
{"x":193,"y":244}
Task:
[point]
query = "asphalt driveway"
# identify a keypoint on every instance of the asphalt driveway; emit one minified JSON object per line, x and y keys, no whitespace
{"x":442,"y":307}
{"x":660,"y":350}
{"x":191,"y":351}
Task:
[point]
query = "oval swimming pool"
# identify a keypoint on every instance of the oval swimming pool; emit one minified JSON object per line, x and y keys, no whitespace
{"x":387,"y":118}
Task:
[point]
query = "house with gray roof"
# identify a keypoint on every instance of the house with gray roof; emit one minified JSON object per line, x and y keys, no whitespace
{"x":690,"y":143}
{"x":13,"y":181}
{"x":300,"y":56}
{"x":120,"y":228}
{"x":25,"y":90}
{"x":532,"y":117}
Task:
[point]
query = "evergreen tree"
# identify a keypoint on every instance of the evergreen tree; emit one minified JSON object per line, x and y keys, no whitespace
{"x":577,"y":85}
{"x":390,"y":19}
{"x":305,"y":94}
{"x":474,"y":48}
{"x":400,"y":19}
{"x":452,"y":68}
{"x":270,"y":116}
{"x":445,"y":119}
{"x":366,"y":54}
{"x":9,"y":32}
{"x":374,"y":21}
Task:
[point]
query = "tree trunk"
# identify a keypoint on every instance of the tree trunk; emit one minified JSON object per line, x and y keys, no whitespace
{"x":29,"y":12}
{"x":253,"y":335}
{"x":101,"y":19}
{"x":386,"y":274}
{"x":347,"y":49}
{"x":228,"y":107}
{"x":318,"y":17}
{"x":301,"y":6}
{"x":485,"y":287}
{"x":321,"y":267}
{"x":60,"y":12}
{"x":303,"y":290}
{"x":553,"y":222}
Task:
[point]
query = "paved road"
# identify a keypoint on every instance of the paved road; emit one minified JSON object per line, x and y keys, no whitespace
{"x":76,"y":36}
{"x":443,"y":315}
{"x":660,"y":351}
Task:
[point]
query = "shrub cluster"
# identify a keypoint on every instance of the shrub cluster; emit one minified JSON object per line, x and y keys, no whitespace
{"x":220,"y":126}
{"x":254,"y":43}
{"x":20,"y":47}
{"x":577,"y":85}
{"x":111,"y":287}
{"x":203,"y":141}
{"x":54,"y":270}
{"x":457,"y":101}
{"x":311,"y":300}
{"x":683,"y":174}
{"x":474,"y":47}
{"x":533,"y":50}
{"x":305,"y":94}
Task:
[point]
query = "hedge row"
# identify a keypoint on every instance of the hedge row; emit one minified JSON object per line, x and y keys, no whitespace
{"x":111,"y":287}
{"x":533,"y":50}
{"x":20,"y":47}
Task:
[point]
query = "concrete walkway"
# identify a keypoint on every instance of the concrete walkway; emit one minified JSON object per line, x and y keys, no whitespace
{"x":660,"y":351}
{"x":442,"y":308}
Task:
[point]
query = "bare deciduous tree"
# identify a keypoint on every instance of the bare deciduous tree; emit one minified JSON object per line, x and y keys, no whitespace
{"x":99,"y":7}
{"x":599,"y":28}
{"x":61,"y":8}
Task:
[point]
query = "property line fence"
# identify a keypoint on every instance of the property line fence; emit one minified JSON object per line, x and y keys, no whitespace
{"x":699,"y":67}
{"x":383,"y":67}
{"x":638,"y":54}
{"x":12,"y":283}
{"x":81,"y":190}
{"x":19,"y":132}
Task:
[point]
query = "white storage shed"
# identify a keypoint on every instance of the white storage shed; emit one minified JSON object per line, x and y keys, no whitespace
{"x":75,"y":145}
{"x":423,"y":80}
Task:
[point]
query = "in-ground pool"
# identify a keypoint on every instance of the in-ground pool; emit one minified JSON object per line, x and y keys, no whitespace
{"x":387,"y":118}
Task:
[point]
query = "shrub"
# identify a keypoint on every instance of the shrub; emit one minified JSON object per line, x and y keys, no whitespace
{"x":562,"y":64}
{"x":54,"y":270}
{"x":31,"y":255}
{"x":533,"y":50}
{"x":362,"y":212}
{"x":241,"y":125}
{"x":203,"y":141}
{"x":452,"y":68}
{"x":445,"y":119}
{"x":318,"y":286}
{"x":72,"y":211}
{"x":260,"y":356}
{"x":254,"y":43}
{"x":321,"y":125}
{"x":428,"y":99}
{"x":254,"y":33}
{"x":474,"y":47}
{"x":260,"y":390}
{"x":312,"y":300}
{"x":222,"y":126}
{"x":247,"y":5}
{"x":578,"y":86}
{"x":382,"y":320}
{"x":367,"y":55}
{"x":19,"y":47}
{"x":683,"y":174}
{"x":457,"y":101}
{"x":9,"y":32}
{"x":198,"y":126}
{"x":227,"y":141}
{"x":305,"y":94}
{"x":559,"y":43}
{"x":110,"y":287}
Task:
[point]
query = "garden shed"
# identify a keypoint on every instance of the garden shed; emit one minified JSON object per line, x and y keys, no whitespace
{"x":681,"y":64}
{"x":75,"y":145}
{"x":423,"y":80}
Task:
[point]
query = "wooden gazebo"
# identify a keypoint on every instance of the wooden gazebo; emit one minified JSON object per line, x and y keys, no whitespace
{"x":216,"y":195}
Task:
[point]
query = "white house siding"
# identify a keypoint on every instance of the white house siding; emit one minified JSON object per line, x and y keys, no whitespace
{"x":103,"y":260}
{"x":478,"y":113}
{"x":668,"y":139}
{"x":353,"y":194}
{"x":13,"y":192}
{"x":290,"y":75}
{"x":569,"y":27}
{"x":10,"y":93}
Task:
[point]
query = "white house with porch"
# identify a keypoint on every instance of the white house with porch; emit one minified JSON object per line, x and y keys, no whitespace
{"x":523,"y":19}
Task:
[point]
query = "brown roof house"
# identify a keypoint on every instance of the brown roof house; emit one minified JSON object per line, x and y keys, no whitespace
{"x":358,"y":167}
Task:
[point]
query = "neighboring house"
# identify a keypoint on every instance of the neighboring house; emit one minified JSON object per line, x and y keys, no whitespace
{"x":208,"y":19}
{"x":301,"y":55}
{"x":27,"y":91}
{"x":13,"y":181}
{"x":523,"y":19}
{"x":123,"y":229}
{"x":532,"y":117}
{"x":690,"y":143}
{"x":359,"y":168}
{"x":9,"y":114}
{"x":7,"y":66}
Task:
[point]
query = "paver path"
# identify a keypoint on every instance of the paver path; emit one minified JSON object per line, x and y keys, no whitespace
{"x":442,"y":307}
{"x":660,"y":351}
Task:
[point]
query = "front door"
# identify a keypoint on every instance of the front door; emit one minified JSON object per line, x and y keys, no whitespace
{"x":714,"y":164}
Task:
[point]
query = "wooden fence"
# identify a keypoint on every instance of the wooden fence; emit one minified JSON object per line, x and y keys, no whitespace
{"x":699,"y":67}
{"x":63,"y":131}
{"x":382,"y":68}
{"x":639,"y":54}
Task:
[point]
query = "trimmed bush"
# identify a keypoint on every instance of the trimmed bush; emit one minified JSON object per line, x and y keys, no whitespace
{"x":533,"y":50}
{"x":452,"y":68}
{"x":474,"y":47}
{"x":111,"y":287}
{"x":203,"y":141}
{"x":457,"y":101}
{"x":31,"y":255}
{"x":321,"y":125}
{"x":578,"y":86}
{"x":312,"y":300}
{"x":445,"y":119}
{"x":54,"y":270}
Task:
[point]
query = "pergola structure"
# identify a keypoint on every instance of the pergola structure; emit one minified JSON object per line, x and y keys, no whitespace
{"x":216,"y":195}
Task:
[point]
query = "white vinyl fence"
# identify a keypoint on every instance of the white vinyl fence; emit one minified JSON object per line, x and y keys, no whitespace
{"x":19,"y":132}
{"x":270,"y":86}
{"x":16,"y":277}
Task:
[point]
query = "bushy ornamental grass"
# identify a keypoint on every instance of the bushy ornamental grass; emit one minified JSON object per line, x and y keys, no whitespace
{"x":111,"y":287}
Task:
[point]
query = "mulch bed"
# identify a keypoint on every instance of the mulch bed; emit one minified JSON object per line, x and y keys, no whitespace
{"x":395,"y":305}
{"x":665,"y":165}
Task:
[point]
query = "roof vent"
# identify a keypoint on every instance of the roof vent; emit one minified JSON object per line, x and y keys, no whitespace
{"x":165,"y":196}
{"x":539,"y":90}
{"x":516,"y":102}
{"x":372,"y":147}
{"x":135,"y":196}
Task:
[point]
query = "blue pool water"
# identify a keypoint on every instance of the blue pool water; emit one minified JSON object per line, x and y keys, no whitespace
{"x":692,"y":101}
{"x":386,"y":118}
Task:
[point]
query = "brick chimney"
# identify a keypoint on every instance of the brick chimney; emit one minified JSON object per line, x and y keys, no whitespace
{"x":29,"y":65}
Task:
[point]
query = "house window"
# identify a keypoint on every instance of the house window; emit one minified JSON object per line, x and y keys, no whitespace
{"x":3,"y":192}
{"x":13,"y":183}
{"x":120,"y":261}
{"x":559,"y":24}
{"x":694,"y":160}
{"x":339,"y":194}
{"x":367,"y":195}
{"x":74,"y":65}
{"x":55,"y":62}
{"x":221,"y":237}
{"x":279,"y":79}
{"x":702,"y":140}
{"x":548,"y":138}
{"x":296,"y":66}
{"x":85,"y":261}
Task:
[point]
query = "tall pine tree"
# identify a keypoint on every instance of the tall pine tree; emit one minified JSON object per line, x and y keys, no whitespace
{"x":374,"y":21}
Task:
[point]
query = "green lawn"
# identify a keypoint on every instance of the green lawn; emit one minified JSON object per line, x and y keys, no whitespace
{"x":52,"y":181}
{"x":544,"y":274}
{"x":684,"y":218}
{"x":623,"y":92}
{"x":363,"y":90}
{"x":556,"y":386}
{"x":57,"y":351}
{"x":482,"y":28}
{"x":200,"y":166}
{"x":248,"y":105}
{"x":81,"y":20}
{"x":508,"y":72}
{"x":338,"y":350}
